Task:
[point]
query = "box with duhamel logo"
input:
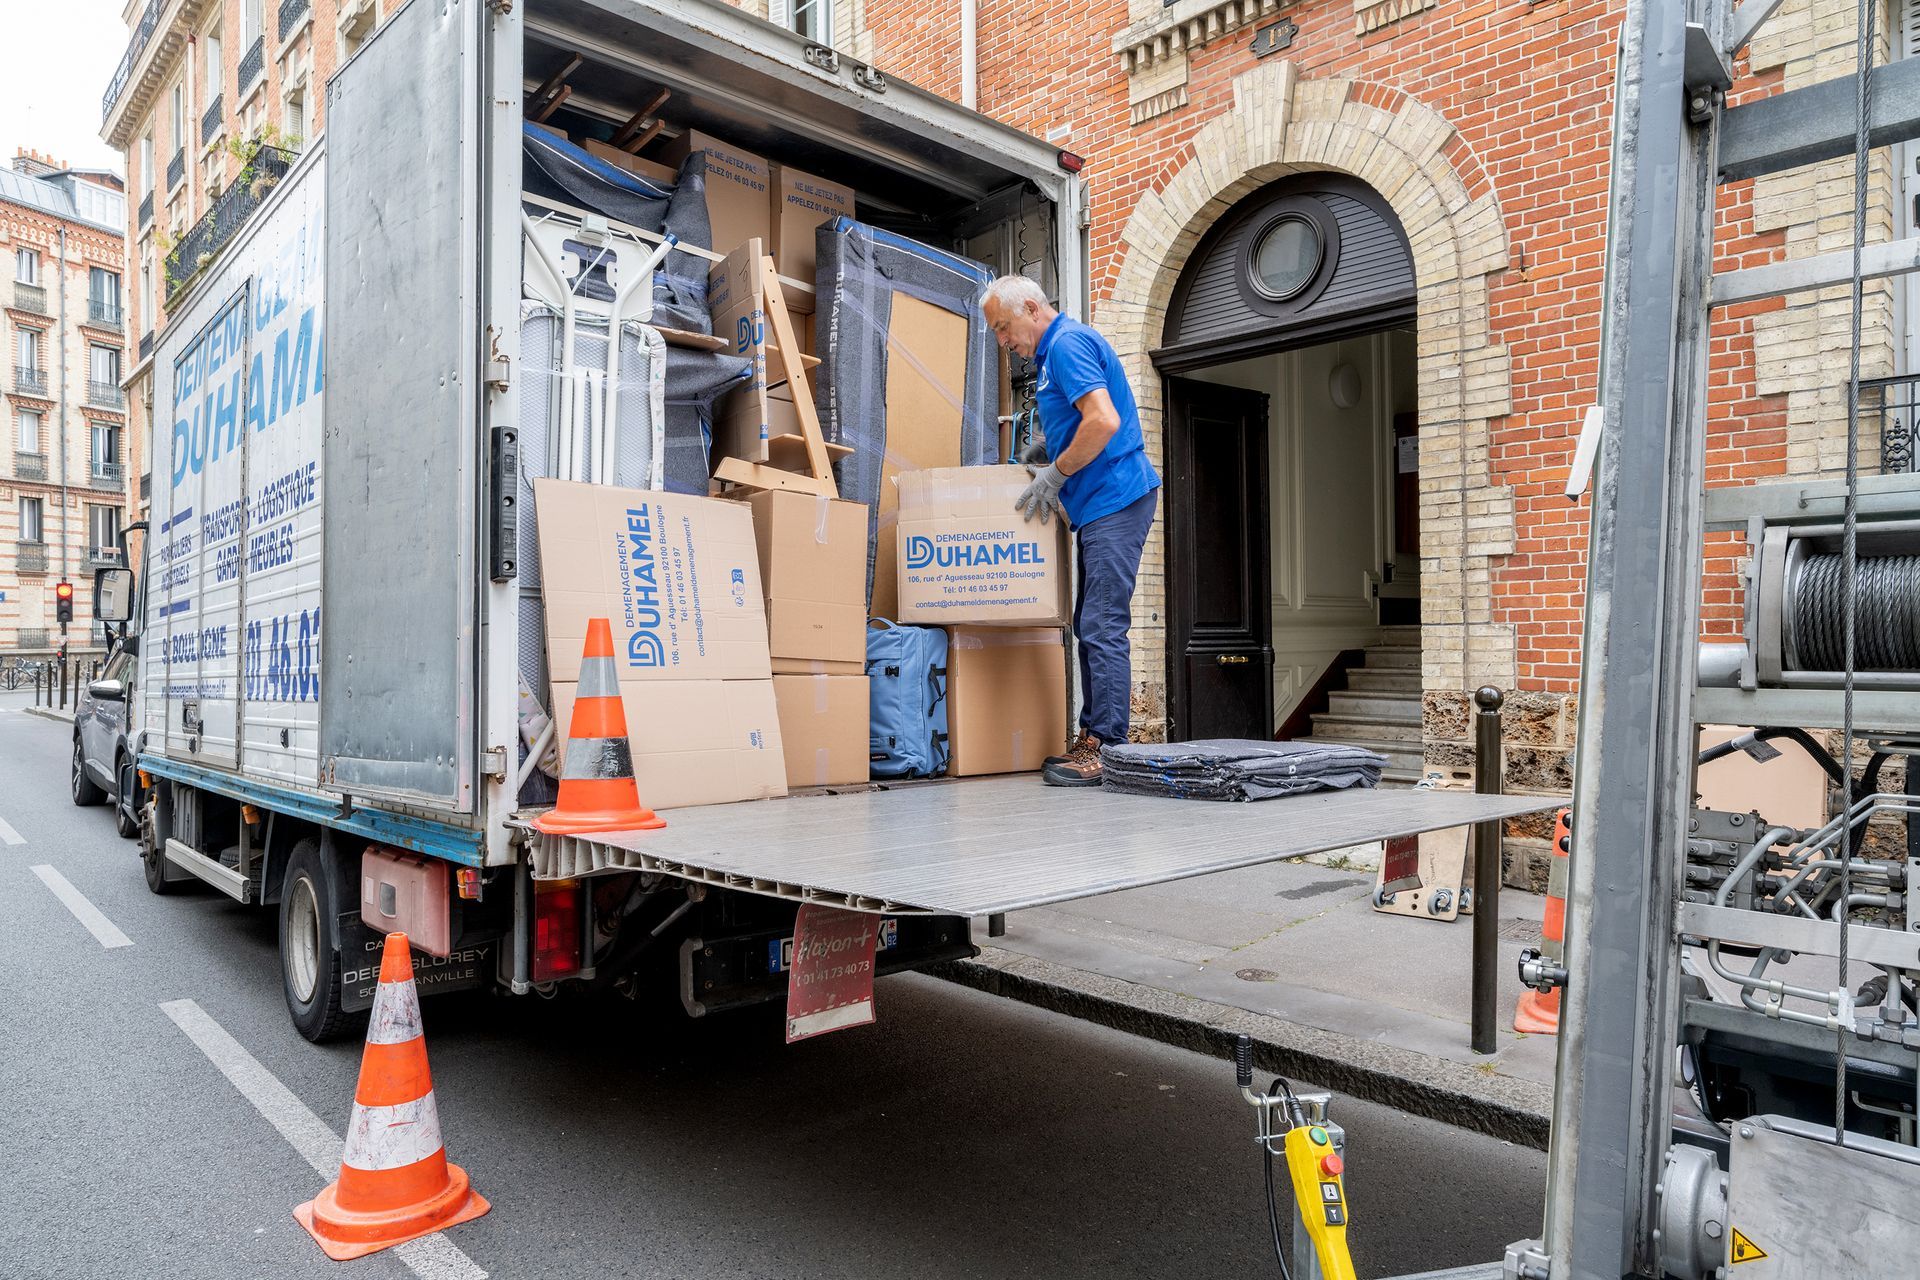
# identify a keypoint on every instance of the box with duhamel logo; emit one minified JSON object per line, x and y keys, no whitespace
{"x":967,"y":556}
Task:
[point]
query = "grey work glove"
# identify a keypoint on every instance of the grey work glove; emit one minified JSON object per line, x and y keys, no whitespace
{"x":1034,"y":455}
{"x":1042,"y":497}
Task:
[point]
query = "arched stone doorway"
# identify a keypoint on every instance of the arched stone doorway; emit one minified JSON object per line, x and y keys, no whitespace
{"x":1411,"y":157}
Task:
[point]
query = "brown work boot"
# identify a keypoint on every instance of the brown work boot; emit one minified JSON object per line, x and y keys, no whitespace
{"x":1081,"y":768}
{"x":1072,"y":747}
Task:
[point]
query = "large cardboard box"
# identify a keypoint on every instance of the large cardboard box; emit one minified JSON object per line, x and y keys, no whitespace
{"x":1006,"y":698}
{"x":813,"y":565}
{"x":965,"y":555}
{"x":697,"y":741}
{"x":801,"y":202}
{"x":679,"y":576}
{"x":739,"y":186}
{"x":823,"y":728}
{"x":926,"y":379}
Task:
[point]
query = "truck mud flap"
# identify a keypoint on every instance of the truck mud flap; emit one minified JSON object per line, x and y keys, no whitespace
{"x":750,"y":968}
{"x":469,"y":965}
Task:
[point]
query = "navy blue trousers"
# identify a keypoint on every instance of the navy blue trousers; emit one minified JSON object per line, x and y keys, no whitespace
{"x":1109,"y":561}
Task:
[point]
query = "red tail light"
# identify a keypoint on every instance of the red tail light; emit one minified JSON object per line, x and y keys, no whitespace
{"x":556,"y":930}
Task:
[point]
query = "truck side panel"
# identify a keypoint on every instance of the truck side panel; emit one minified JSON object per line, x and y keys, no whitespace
{"x":233,"y":609}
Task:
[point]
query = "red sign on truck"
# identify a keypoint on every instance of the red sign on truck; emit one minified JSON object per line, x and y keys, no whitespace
{"x":830,"y":986}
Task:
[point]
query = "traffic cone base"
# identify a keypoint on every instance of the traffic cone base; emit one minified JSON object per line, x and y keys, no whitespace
{"x":1536,"y":1014}
{"x":344,"y":1236}
{"x":396,"y":1183}
{"x":597,"y":787}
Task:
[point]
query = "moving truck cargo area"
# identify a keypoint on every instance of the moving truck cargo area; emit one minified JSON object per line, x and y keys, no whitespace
{"x":456,"y":390}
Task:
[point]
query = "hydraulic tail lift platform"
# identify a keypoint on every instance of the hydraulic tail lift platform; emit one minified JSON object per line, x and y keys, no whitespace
{"x":980,"y":847}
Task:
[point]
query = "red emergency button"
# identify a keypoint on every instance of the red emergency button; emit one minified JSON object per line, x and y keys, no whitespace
{"x":1331,"y":1166}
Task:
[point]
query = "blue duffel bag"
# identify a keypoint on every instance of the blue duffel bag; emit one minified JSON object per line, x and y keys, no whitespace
{"x":907,"y":668}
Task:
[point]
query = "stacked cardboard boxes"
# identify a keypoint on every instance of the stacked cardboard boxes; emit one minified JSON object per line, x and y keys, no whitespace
{"x":679,"y":578}
{"x":813,"y":557}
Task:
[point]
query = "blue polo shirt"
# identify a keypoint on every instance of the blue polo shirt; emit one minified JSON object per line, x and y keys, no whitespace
{"x":1074,"y":359}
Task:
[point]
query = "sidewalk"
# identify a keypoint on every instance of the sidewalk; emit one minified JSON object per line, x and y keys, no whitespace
{"x":50,"y":713}
{"x":1293,"y":954}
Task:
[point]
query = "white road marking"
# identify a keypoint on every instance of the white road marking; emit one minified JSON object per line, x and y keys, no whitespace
{"x":433,"y":1257}
{"x":8,"y":835}
{"x":85,"y":912}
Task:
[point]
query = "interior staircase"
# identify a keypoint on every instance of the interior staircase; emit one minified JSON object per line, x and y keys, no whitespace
{"x":1380,"y":707}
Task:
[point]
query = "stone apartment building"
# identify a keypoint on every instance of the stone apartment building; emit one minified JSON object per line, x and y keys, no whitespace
{"x":1351,"y":252}
{"x":63,"y":479}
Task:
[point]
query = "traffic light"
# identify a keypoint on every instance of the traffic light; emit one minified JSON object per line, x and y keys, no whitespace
{"x":63,"y":602}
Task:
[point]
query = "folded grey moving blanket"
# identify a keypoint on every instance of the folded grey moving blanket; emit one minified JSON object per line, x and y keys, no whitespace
{"x":1230,"y":769}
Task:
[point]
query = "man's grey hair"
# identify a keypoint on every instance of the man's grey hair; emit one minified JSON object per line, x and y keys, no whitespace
{"x":1014,"y":292}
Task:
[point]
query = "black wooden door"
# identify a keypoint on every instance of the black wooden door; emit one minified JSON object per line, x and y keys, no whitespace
{"x":1220,"y":619}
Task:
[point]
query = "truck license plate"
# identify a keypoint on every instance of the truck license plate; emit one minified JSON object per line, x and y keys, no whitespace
{"x":780,"y":950}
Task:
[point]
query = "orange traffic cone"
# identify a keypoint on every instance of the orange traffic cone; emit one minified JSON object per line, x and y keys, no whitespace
{"x":597,"y":790}
{"x":395,"y":1182}
{"x":1538,"y":1013}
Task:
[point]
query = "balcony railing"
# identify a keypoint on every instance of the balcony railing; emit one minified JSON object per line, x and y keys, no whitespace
{"x":31,"y":556}
{"x":29,"y":466}
{"x":201,"y":245}
{"x":291,"y":11}
{"x":102,"y":556}
{"x":146,"y":344}
{"x":105,"y":313}
{"x":136,"y":45}
{"x":105,"y":395}
{"x":146,"y":207}
{"x":107,"y":475}
{"x":30,"y":297}
{"x":252,"y":64}
{"x":1896,"y":402}
{"x":33,"y":638}
{"x":210,"y":122}
{"x":177,"y":169}
{"x":29,"y":380}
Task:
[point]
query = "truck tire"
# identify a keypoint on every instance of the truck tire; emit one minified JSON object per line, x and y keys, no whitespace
{"x":85,"y":790}
{"x":126,"y":805}
{"x":309,"y":962}
{"x":153,"y":859}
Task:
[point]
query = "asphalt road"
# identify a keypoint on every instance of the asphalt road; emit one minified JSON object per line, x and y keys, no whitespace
{"x":960,"y":1136}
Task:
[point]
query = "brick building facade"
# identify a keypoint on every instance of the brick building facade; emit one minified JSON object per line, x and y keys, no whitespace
{"x":62,"y":469}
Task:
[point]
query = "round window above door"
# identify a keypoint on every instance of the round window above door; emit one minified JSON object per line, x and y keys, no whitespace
{"x":1286,"y":254}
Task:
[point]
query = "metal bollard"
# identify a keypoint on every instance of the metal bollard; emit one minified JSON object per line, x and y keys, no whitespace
{"x":1488,"y":764}
{"x":63,"y":686}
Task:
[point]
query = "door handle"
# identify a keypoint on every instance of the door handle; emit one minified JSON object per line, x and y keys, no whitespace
{"x":1233,"y":659}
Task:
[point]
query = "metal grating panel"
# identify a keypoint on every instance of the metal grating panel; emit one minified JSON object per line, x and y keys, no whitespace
{"x":987,"y":845}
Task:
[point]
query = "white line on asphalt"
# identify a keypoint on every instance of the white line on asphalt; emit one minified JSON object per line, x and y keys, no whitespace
{"x":8,"y":835}
{"x":433,"y":1257}
{"x":85,"y":912}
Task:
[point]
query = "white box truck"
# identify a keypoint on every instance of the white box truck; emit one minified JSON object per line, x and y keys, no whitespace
{"x":329,"y":628}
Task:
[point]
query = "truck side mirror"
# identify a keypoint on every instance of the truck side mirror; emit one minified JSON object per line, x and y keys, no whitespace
{"x":113,"y":594}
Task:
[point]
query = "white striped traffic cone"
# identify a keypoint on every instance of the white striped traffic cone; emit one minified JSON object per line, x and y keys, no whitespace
{"x":395,"y":1181}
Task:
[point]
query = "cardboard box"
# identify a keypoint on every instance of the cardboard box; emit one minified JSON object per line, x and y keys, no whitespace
{"x":631,"y":163}
{"x":679,"y":576}
{"x":739,"y":186}
{"x":801,"y":202}
{"x":697,"y":741}
{"x":823,"y":728}
{"x":966,"y":556}
{"x":1006,"y":698}
{"x":818,"y":667}
{"x":926,"y":377}
{"x":813,"y":567}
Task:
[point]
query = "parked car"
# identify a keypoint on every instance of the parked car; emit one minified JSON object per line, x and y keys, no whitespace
{"x":103,"y":739}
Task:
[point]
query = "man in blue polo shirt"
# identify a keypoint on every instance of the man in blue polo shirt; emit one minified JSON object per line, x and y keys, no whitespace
{"x":1096,"y":472}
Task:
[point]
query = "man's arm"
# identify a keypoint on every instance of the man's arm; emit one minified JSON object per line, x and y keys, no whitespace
{"x":1099,"y":421}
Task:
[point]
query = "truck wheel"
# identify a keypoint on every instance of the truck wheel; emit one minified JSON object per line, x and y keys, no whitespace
{"x":309,"y":963}
{"x":85,"y":792}
{"x":126,"y":805}
{"x":153,"y":859}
